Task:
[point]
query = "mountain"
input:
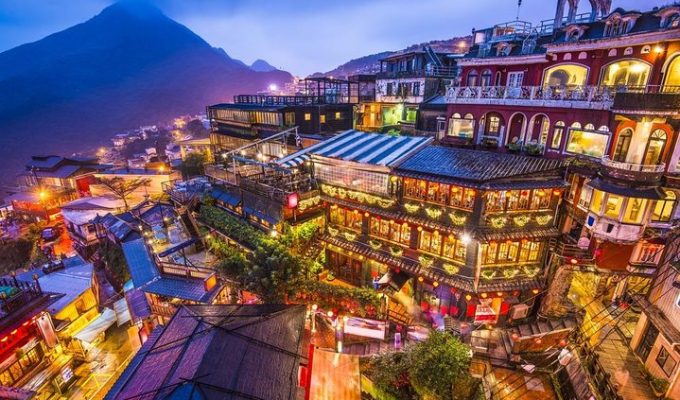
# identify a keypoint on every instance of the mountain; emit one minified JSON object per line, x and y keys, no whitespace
{"x":262,"y":66}
{"x":371,"y":64}
{"x":130,"y":65}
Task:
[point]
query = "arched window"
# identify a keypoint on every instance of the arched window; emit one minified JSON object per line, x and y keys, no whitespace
{"x":673,"y":21}
{"x":565,"y":75}
{"x":623,"y":144}
{"x":576,"y":125}
{"x":589,"y":127}
{"x":603,"y":128}
{"x":461,"y":127}
{"x":663,"y":210}
{"x":497,"y":81}
{"x":655,"y":147}
{"x":625,"y":73}
{"x":558,"y":133}
{"x":486,"y":78}
{"x":472,"y":78}
{"x":493,"y":124}
{"x":672,"y":80}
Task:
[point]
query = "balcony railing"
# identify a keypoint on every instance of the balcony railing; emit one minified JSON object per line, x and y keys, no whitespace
{"x":301,"y":100}
{"x":645,"y":99}
{"x":608,"y":162}
{"x":632,"y":171}
{"x":601,"y":97}
{"x":432,"y":71}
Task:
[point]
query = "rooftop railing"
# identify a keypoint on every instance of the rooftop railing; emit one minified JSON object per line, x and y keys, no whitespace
{"x":431,"y":71}
{"x":633,"y":167}
{"x":577,"y":95}
{"x":266,"y":100}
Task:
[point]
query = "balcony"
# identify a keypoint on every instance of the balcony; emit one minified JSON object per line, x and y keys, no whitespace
{"x":580,"y":97}
{"x":430,"y":72}
{"x":632,"y":171}
{"x":614,"y":231}
{"x":664,"y":100}
{"x":302,"y":100}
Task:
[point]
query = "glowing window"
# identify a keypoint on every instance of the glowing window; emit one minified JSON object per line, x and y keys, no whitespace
{"x":635,"y":209}
{"x":587,"y":143}
{"x":663,"y":209}
{"x":625,"y":73}
{"x":613,"y":206}
{"x":308,"y":117}
{"x":565,"y":75}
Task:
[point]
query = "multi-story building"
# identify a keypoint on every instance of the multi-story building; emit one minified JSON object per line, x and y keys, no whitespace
{"x":325,"y":107}
{"x":406,"y":80}
{"x":455,"y":231}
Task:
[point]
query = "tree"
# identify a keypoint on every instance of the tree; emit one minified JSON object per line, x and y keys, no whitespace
{"x":193,"y":163}
{"x":439,"y":367}
{"x":114,"y":259}
{"x":123,"y":188}
{"x":196,"y":128}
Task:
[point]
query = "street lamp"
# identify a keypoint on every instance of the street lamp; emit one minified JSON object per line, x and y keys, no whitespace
{"x":314,"y":308}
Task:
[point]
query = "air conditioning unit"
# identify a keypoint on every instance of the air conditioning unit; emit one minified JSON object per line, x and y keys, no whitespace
{"x":519,"y":311}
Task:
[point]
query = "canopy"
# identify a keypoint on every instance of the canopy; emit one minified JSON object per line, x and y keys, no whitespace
{"x":122,"y":312}
{"x":651,"y":193}
{"x":97,"y":326}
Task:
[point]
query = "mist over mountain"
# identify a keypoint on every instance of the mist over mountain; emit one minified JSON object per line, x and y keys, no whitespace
{"x":129,"y":65}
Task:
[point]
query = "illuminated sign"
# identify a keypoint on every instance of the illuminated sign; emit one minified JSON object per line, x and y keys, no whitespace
{"x":365,"y":328}
{"x":588,"y":143}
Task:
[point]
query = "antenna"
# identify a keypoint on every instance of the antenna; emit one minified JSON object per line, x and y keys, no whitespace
{"x":519,"y":5}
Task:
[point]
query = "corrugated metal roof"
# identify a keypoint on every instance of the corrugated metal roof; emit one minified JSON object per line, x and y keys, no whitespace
{"x":141,"y":266}
{"x":360,"y":147}
{"x":181,"y":288}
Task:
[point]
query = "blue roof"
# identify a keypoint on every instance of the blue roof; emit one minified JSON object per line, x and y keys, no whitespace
{"x":225,"y":197}
{"x":181,"y":288}
{"x":72,"y":281}
{"x":360,"y":147}
{"x":142,"y":268}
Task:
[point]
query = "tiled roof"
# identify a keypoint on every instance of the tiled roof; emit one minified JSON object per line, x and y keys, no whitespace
{"x":225,"y":351}
{"x":477,"y":165}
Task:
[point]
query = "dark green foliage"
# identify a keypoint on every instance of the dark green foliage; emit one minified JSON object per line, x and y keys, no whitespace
{"x":115,"y":262}
{"x":15,"y":254}
{"x":192,"y":164}
{"x":436,"y":368}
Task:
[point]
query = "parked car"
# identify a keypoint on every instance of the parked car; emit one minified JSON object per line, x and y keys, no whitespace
{"x":50,"y":234}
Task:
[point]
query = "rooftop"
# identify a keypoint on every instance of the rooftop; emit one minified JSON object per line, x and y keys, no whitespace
{"x":219,"y":352}
{"x":476,"y":165}
{"x":360,"y":147}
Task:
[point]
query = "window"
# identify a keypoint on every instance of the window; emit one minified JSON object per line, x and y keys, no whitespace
{"x":308,"y":117}
{"x":625,"y":73}
{"x":655,"y":147}
{"x":462,"y":197}
{"x":635,"y":209}
{"x":616,"y":27}
{"x":461,"y":127}
{"x":338,"y":115}
{"x":663,"y":209}
{"x":673,"y":21}
{"x":430,"y":242}
{"x":416,"y":88}
{"x":613,"y":206}
{"x":665,"y":361}
{"x":558,"y":132}
{"x":672,"y":76}
{"x":565,"y":75}
{"x":454,"y":249}
{"x":596,"y":201}
{"x":289,"y":118}
{"x":622,"y":145}
{"x":493,"y":124}
{"x":390,"y":230}
{"x":322,"y":118}
{"x":510,"y":252}
{"x":390,"y":88}
{"x":648,"y":253}
{"x":472,"y":78}
{"x":587,"y":143}
{"x":346,"y":218}
{"x":515,"y":79}
{"x":486,"y":78}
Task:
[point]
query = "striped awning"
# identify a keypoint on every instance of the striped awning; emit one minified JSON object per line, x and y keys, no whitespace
{"x":360,"y":147}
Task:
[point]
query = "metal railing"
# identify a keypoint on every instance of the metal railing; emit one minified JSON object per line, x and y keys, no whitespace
{"x":431,"y":71}
{"x":633,"y":167}
{"x":587,"y":94}
{"x":291,"y":100}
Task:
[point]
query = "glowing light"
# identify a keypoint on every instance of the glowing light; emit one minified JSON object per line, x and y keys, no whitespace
{"x":484,"y":295}
{"x":42,"y":194}
{"x":273,"y":87}
{"x":161,"y":168}
{"x":435,"y":283}
{"x":658,"y":49}
{"x":273,"y":233}
{"x":465,"y":239}
{"x":314,"y":307}
{"x":499,"y":294}
{"x":535,"y":291}
{"x":421,"y":279}
{"x":468,"y":297}
{"x":330,"y":314}
{"x":573,"y":261}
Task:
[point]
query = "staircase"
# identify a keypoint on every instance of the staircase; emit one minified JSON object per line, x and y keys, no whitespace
{"x":192,"y":227}
{"x":432,"y":56}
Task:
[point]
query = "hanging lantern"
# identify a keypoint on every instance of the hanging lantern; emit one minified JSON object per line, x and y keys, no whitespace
{"x":366,"y":214}
{"x":573,"y":261}
{"x":535,"y":291}
{"x":420,"y":229}
{"x":515,"y":293}
{"x":293,"y":200}
{"x":563,"y":343}
{"x":556,"y":192}
{"x":435,"y":283}
{"x":538,"y":340}
{"x":421,"y":279}
{"x":468,"y":297}
{"x":453,"y":290}
{"x":499,"y":294}
{"x":484,"y":295}
{"x":515,"y":336}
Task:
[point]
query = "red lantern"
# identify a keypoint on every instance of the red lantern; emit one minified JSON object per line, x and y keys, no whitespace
{"x":374,"y":274}
{"x":514,"y":336}
{"x":573,"y":261}
{"x":538,"y":340}
{"x":535,"y":291}
{"x":397,"y":270}
{"x":563,"y":343}
{"x":293,"y":200}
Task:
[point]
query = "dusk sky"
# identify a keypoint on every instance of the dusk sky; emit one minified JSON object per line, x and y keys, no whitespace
{"x":300,"y":36}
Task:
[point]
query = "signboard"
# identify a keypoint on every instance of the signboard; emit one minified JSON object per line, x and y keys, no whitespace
{"x":587,"y":142}
{"x":365,"y":328}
